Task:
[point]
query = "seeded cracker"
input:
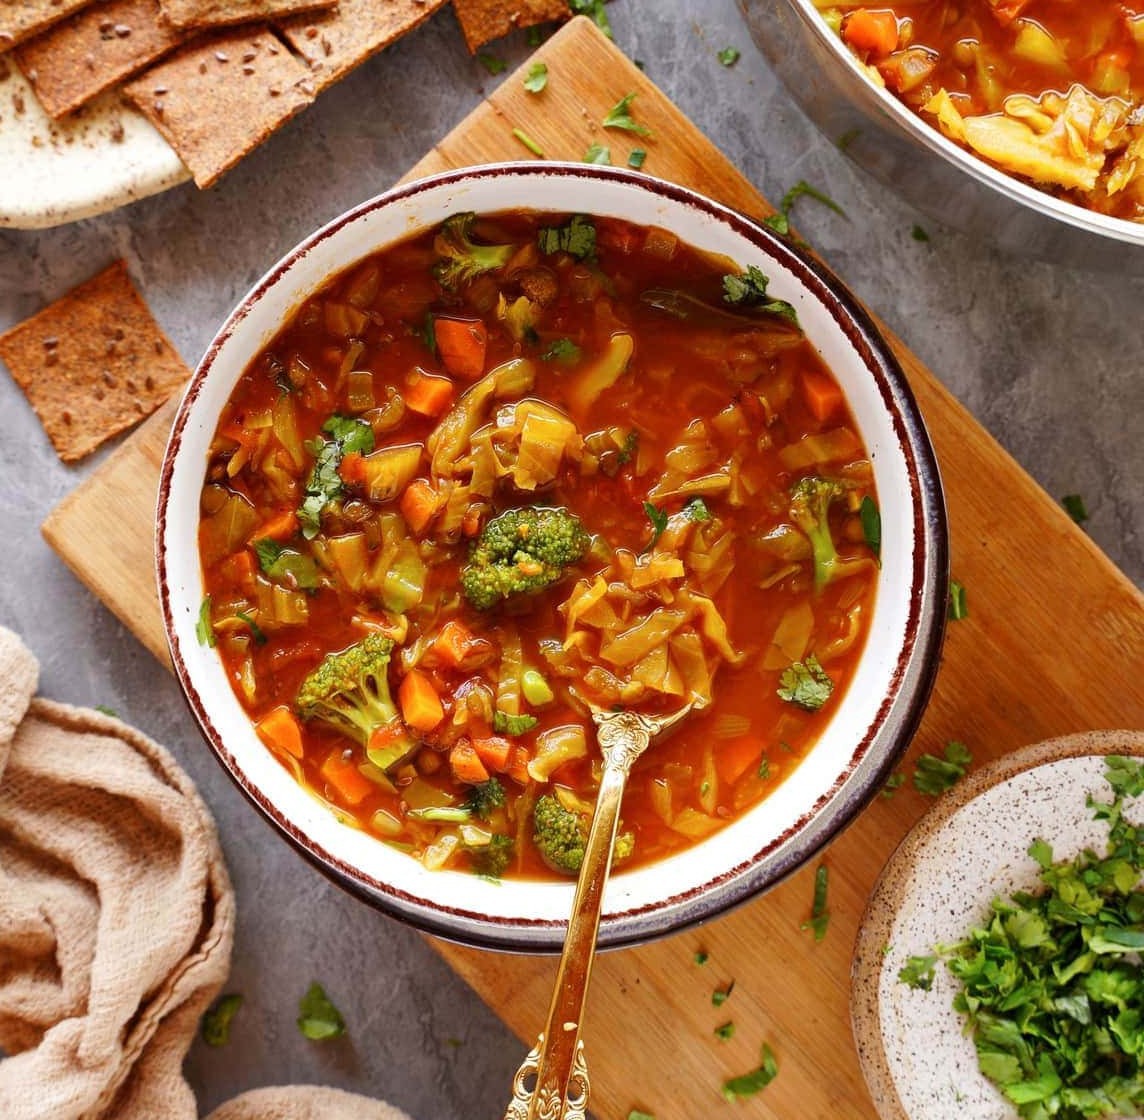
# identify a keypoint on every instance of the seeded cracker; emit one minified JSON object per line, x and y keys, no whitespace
{"x":484,"y":20}
{"x":333,"y":43}
{"x":93,"y":50}
{"x":93,"y":363}
{"x":198,"y":14}
{"x":20,"y":19}
{"x":219,"y":97}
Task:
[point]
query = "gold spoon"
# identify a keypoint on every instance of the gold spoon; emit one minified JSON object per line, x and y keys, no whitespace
{"x":556,"y":1067}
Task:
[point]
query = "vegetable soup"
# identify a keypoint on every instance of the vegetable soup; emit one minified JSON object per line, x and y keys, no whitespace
{"x":1049,"y":91}
{"x":514,"y":469}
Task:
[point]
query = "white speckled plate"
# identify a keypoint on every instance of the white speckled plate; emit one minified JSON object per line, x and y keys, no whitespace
{"x":105,"y":156}
{"x":968,"y":849}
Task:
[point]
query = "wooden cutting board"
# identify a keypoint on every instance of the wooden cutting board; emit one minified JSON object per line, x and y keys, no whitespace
{"x":1054,"y":643}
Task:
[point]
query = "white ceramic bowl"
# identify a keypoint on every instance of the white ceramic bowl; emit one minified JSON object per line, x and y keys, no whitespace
{"x":869,"y":728}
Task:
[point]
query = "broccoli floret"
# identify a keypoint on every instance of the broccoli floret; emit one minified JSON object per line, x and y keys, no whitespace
{"x":521,"y":551}
{"x":460,"y":259}
{"x":492,"y":859}
{"x":560,"y":836}
{"x":350,"y":691}
{"x":479,"y":805}
{"x":810,"y":503}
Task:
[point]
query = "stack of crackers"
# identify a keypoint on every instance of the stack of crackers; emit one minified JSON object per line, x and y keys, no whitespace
{"x":216,"y":77}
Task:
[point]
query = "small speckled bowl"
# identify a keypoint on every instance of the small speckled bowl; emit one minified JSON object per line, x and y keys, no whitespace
{"x":969,"y":849}
{"x":867,"y":730}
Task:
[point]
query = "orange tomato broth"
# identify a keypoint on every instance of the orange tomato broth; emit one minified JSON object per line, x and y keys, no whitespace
{"x":724,"y":759}
{"x":983,"y":51}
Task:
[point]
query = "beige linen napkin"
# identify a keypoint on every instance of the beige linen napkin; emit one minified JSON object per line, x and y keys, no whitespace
{"x":116,"y":922}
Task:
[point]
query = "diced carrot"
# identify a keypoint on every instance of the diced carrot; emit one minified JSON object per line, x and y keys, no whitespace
{"x":875,"y":33}
{"x":466,"y":764}
{"x":453,"y":643}
{"x":494,"y":752}
{"x":280,"y":731}
{"x":461,"y":344}
{"x":281,"y":527}
{"x":823,"y":397}
{"x":427,"y":394}
{"x":239,"y":567}
{"x":471,"y":522}
{"x":419,"y":504}
{"x":734,"y":757}
{"x":420,"y":705}
{"x":517,"y":765}
{"x":352,"y":468}
{"x":347,"y":781}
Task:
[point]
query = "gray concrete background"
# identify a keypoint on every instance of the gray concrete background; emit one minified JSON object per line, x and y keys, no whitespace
{"x":1046,"y":358}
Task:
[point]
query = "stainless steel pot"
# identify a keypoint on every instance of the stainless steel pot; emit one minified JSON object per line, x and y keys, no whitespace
{"x":880,"y":134}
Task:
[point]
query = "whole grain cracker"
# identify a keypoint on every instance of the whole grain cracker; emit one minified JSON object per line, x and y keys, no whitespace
{"x":219,"y":97}
{"x":95,"y":49}
{"x":21,"y":19}
{"x":199,"y":14}
{"x":482,"y":21}
{"x":333,"y":43}
{"x":93,"y":363}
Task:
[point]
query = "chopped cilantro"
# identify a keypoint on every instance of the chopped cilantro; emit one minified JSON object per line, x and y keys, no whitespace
{"x":918,"y":972}
{"x":492,"y":64}
{"x":577,"y":236}
{"x":628,"y":451}
{"x":806,"y":684}
{"x":764,"y":771}
{"x":508,"y":724}
{"x":701,"y":957}
{"x":847,"y":138}
{"x":780,"y":222}
{"x":933,"y":775}
{"x":658,"y":519}
{"x":1075,"y":508}
{"x":215,"y":1025}
{"x":620,"y":116}
{"x":600,"y":154}
{"x":348,"y":434}
{"x":819,"y":915}
{"x":594,"y":10}
{"x":635,"y":1114}
{"x":528,"y":142}
{"x":318,"y":1018}
{"x":534,"y":37}
{"x":256,"y":631}
{"x":726,"y":1032}
{"x":561,"y":350}
{"x":107,"y":710}
{"x":696,"y":510}
{"x":636,"y":158}
{"x":871,"y":519}
{"x":287,"y":565}
{"x":204,"y":631}
{"x":749,"y":289}
{"x":427,"y":332}
{"x":747,"y":1085}
{"x":728,"y":56}
{"x":919,"y":234}
{"x":721,"y":995}
{"x":893,"y":783}
{"x":958,"y":603}
{"x":536,"y":78}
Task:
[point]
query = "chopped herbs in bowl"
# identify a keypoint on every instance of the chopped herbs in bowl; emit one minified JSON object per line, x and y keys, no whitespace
{"x":998,"y":971}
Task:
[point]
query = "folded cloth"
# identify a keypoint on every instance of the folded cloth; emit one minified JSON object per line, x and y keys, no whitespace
{"x":116,"y":922}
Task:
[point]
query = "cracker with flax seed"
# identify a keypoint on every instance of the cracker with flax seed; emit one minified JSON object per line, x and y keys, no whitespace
{"x":219,"y":97}
{"x":93,"y":364}
{"x":95,"y":49}
{"x":482,"y":21}
{"x":333,"y":43}
{"x":21,"y":19}
{"x":199,"y":14}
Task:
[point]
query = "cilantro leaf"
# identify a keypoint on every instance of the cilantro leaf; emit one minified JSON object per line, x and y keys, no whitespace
{"x":918,"y":972}
{"x":728,"y":56}
{"x":318,"y":1018}
{"x":726,"y":1032}
{"x":819,"y":915}
{"x":696,"y":510}
{"x":1125,"y":775}
{"x":893,"y":783}
{"x":215,"y":1024}
{"x":508,"y":724}
{"x":107,"y":710}
{"x":577,"y":236}
{"x":919,"y":234}
{"x":933,"y":775}
{"x":561,"y":350}
{"x":658,"y":519}
{"x":806,"y":684}
{"x":749,"y":290}
{"x":256,"y":631}
{"x":204,"y":631}
{"x":599,"y":154}
{"x":620,"y":116}
{"x":1075,"y":508}
{"x":594,"y":10}
{"x":536,"y":78}
{"x":721,"y":995}
{"x":701,"y":957}
{"x":492,"y":64}
{"x":871,"y":519}
{"x":636,"y":158}
{"x":747,"y":1085}
{"x":348,"y":434}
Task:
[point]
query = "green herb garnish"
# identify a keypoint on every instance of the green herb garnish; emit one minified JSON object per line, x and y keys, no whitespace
{"x":256,"y":631}
{"x":599,"y":154}
{"x":806,"y":684}
{"x":427,"y":332}
{"x":919,"y":234}
{"x":318,"y":1018}
{"x":696,"y":510}
{"x":749,"y":289}
{"x":918,"y":972}
{"x":347,"y":435}
{"x":594,"y":10}
{"x":701,"y":957}
{"x":107,"y":710}
{"x":819,"y":915}
{"x":721,"y":995}
{"x":726,"y":1032}
{"x":893,"y":783}
{"x":528,"y":142}
{"x":635,"y":1114}
{"x":739,"y":1088}
{"x":214,"y":1027}
{"x":204,"y":631}
{"x":658,"y":519}
{"x":577,"y":236}
{"x":764,"y":771}
{"x":780,"y":222}
{"x":536,"y":78}
{"x":958,"y":603}
{"x":728,"y":56}
{"x":933,"y":775}
{"x":620,"y":116}
{"x":492,"y":64}
{"x":561,"y":350}
{"x":508,"y":724}
{"x":1075,"y":508}
{"x":871,"y":519}
{"x":636,"y":158}
{"x":287,"y":565}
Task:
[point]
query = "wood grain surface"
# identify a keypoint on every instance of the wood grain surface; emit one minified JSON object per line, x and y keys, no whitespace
{"x":1054,"y":643}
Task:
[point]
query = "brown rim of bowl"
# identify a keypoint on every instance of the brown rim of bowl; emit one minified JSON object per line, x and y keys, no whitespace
{"x":896,"y":720}
{"x":882,"y":907}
